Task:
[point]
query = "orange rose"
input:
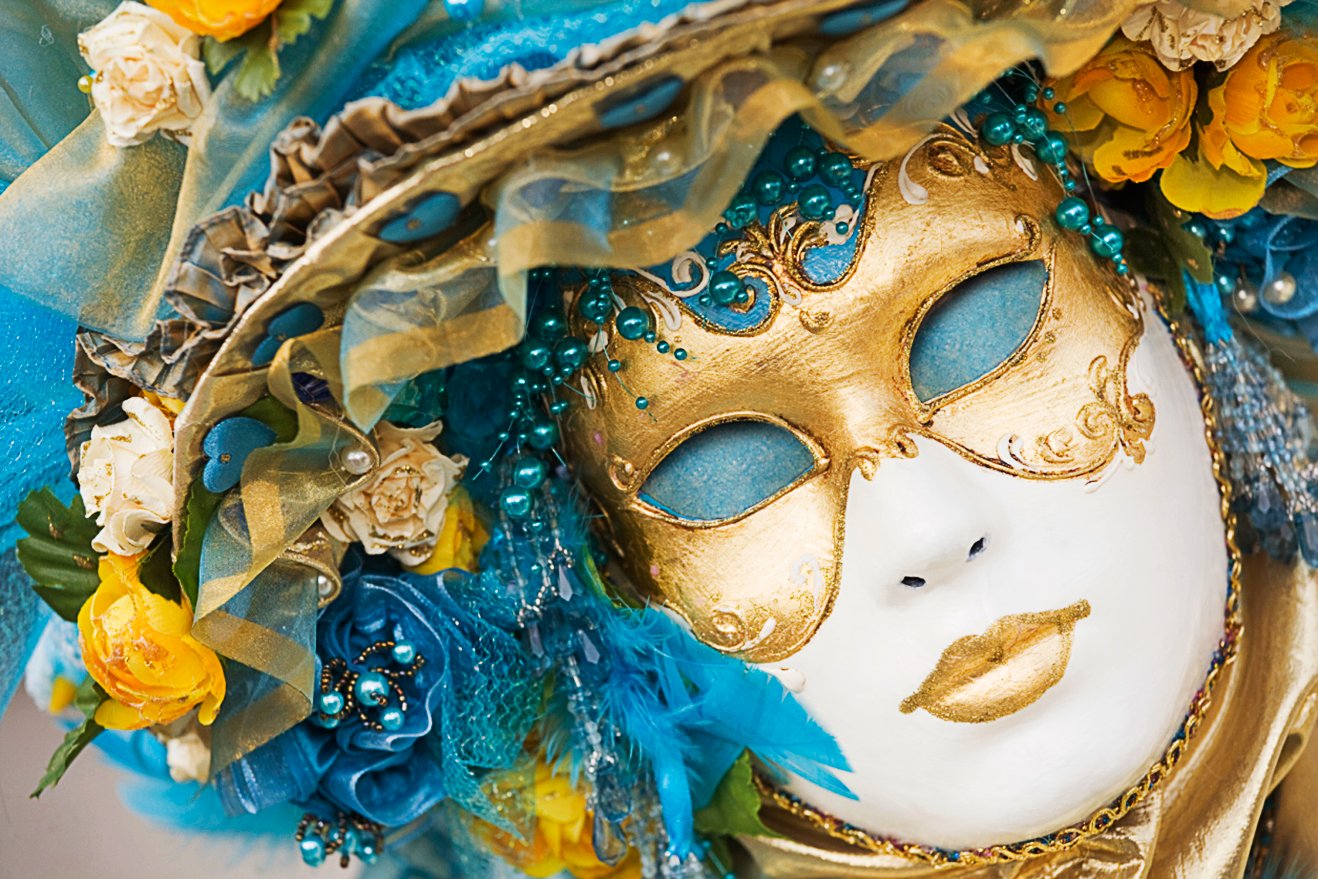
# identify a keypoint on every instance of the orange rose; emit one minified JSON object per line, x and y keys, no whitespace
{"x":137,"y":646}
{"x":221,"y":19}
{"x":1267,"y":107}
{"x":1130,"y":114}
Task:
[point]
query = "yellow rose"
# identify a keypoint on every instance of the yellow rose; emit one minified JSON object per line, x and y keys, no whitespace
{"x":221,"y":19}
{"x":562,"y":839}
{"x":1130,"y":114}
{"x":461,"y":538}
{"x":1267,"y":107}
{"x":137,"y":646}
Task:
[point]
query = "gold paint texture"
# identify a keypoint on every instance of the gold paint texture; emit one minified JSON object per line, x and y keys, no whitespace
{"x":1057,"y":409}
{"x":980,"y":678}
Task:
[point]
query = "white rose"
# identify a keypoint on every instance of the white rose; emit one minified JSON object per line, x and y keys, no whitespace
{"x":188,"y":757}
{"x":148,"y":75}
{"x":400,"y":508}
{"x":1181,"y":36}
{"x":126,"y":478}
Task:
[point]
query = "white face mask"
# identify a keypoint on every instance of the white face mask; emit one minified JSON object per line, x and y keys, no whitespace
{"x":938,"y":548}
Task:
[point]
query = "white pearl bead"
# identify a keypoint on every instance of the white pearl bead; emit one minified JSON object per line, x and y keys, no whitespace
{"x":324,"y":585}
{"x":1280,"y":289}
{"x":1245,"y":298}
{"x":357,"y":461}
{"x":830,"y":77}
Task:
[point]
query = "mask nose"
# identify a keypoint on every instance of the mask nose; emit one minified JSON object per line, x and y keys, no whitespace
{"x":919,"y":520}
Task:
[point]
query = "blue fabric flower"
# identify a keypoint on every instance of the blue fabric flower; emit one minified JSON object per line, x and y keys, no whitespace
{"x":388,"y":641}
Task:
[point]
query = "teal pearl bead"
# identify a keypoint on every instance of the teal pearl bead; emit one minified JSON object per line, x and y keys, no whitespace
{"x":998,"y":129}
{"x":558,"y":407}
{"x":1051,"y":148}
{"x":392,"y":719}
{"x":742,"y":297}
{"x":515,"y":503}
{"x":404,"y":653}
{"x":331,"y":702}
{"x":530,"y":472}
{"x":1049,"y":94}
{"x":663,"y":347}
{"x":632,"y":322}
{"x":368,"y":853}
{"x":679,"y":354}
{"x":614,"y":365}
{"x":741,"y":212}
{"x":800,"y":163}
{"x":768,"y":187}
{"x":325,"y":721}
{"x":1059,"y":108}
{"x":642,"y":403}
{"x":549,"y":326}
{"x":544,"y":434}
{"x":835,"y":168}
{"x":1069,"y":185}
{"x":595,"y":308}
{"x":1072,"y":213}
{"x":1226,"y":285}
{"x":724,"y":286}
{"x":313,"y":850}
{"x":815,"y":202}
{"x":649,"y":337}
{"x":1108,"y":242}
{"x":536,"y":356}
{"x":372,"y":688}
{"x":1034,"y":125}
{"x":571,"y":353}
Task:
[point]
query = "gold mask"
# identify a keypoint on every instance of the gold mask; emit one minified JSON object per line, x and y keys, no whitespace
{"x":832,"y":365}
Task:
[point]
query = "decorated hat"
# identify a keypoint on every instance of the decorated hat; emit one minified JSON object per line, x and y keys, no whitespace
{"x":672,"y":439}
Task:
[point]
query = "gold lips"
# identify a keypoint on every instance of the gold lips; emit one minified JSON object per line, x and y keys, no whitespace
{"x":983,"y":677}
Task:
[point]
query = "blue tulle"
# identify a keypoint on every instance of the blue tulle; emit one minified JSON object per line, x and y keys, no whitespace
{"x":538,"y":34}
{"x":36,"y":363}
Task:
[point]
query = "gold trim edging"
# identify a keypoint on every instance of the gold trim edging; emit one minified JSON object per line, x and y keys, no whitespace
{"x":1104,"y":818}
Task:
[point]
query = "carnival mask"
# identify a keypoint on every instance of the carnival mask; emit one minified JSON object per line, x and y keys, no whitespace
{"x":930,"y":492}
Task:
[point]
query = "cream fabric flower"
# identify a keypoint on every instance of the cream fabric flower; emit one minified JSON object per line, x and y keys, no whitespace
{"x":400,"y":509}
{"x":1181,"y":36}
{"x":188,"y":757}
{"x":148,"y":75}
{"x":126,"y":476}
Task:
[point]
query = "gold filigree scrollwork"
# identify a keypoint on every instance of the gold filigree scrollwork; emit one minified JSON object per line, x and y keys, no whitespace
{"x":1115,"y":413}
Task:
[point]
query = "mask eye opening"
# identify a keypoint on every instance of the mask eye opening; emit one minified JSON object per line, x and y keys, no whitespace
{"x":725,"y":469}
{"x":977,"y":328}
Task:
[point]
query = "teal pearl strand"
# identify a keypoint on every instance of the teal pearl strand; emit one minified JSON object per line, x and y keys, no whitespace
{"x":1026,"y":125}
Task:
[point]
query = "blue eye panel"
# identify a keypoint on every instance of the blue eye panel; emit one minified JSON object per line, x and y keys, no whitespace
{"x":975,"y":327}
{"x":727,"y":469}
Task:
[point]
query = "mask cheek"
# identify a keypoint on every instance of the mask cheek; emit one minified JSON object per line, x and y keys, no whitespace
{"x":758,"y":587}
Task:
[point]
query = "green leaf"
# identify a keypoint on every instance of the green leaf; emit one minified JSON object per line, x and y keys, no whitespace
{"x":219,"y":55}
{"x":256,"y":76}
{"x":197,"y":515}
{"x":1187,"y":248}
{"x":293,"y":18}
{"x":89,"y":698}
{"x":57,"y":553}
{"x":157,"y":571}
{"x":734,"y":810}
{"x":274,"y":415}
